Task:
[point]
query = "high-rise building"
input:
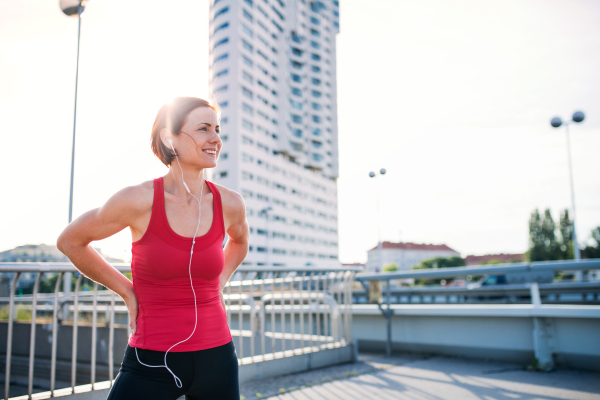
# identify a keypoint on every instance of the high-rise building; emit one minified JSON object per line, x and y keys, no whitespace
{"x":273,"y":72}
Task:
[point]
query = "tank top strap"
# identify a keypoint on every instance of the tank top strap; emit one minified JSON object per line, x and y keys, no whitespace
{"x":218,"y":207}
{"x":158,"y":206}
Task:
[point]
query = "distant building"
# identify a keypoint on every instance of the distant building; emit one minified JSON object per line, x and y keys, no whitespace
{"x":499,"y":258}
{"x":406,"y":255}
{"x":354,"y":265}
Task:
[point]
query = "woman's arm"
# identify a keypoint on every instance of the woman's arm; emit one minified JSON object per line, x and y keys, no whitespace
{"x":236,"y":249}
{"x":119,"y":212}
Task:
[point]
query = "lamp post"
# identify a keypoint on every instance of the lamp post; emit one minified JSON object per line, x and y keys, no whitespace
{"x":556,"y":122}
{"x":73,"y":8}
{"x":372,"y":174}
{"x":266,"y":212}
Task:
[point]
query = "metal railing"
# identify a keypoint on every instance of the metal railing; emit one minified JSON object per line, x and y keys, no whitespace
{"x":272,"y":313}
{"x":530,"y":269}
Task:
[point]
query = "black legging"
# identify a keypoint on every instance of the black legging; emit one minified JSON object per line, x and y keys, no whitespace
{"x":205,"y":374}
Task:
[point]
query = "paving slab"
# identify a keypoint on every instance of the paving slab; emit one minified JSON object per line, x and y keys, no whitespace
{"x":435,"y":378}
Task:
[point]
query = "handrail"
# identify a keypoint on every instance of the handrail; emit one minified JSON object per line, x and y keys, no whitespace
{"x":126,"y":267}
{"x":286,"y":295}
{"x":485,"y":270}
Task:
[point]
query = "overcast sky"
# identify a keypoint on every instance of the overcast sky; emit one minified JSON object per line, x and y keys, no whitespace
{"x":452,"y":98}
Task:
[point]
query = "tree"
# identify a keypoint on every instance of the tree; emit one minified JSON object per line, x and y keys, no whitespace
{"x":438,"y":262}
{"x":391,"y":267}
{"x":544,"y":245}
{"x":592,"y":251}
{"x":566,"y":236}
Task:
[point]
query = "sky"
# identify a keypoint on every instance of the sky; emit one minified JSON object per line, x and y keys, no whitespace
{"x":453,"y":98}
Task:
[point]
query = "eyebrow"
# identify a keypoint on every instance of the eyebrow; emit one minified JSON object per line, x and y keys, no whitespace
{"x":205,"y":123}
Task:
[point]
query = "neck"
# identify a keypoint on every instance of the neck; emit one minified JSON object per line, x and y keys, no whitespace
{"x":193,"y":178}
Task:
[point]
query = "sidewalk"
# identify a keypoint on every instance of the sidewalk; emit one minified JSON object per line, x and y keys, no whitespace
{"x":408,"y":377}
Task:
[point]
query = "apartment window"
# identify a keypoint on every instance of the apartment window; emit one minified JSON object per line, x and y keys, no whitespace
{"x":317,"y":157}
{"x":220,"y":89}
{"x":261,"y":232}
{"x":249,"y":127}
{"x":315,"y":68}
{"x":278,"y":251}
{"x":247,"y":176}
{"x":220,"y":12}
{"x":314,"y":20}
{"x":296,"y":78}
{"x":247,"y":15}
{"x":297,"y":132}
{"x":296,"y":118}
{"x":222,"y":57}
{"x":316,"y":81}
{"x":315,"y":45}
{"x":263,"y":40}
{"x":276,"y":11}
{"x":223,"y":174}
{"x":262,"y":25}
{"x":297,"y":105}
{"x":247,"y":109}
{"x":263,"y":85}
{"x":246,"y":193}
{"x":246,"y":45}
{"x":296,"y":39}
{"x":249,"y":2}
{"x":263,"y":12}
{"x":247,"y":158}
{"x":316,"y":106}
{"x":220,"y":43}
{"x":247,"y":30}
{"x":261,"y":249}
{"x":247,"y":61}
{"x":224,"y":104}
{"x":263,"y":55}
{"x":223,"y":156}
{"x":317,"y":145}
{"x":221,"y":73}
{"x":296,"y":92}
{"x":247,"y":77}
{"x":296,"y":52}
{"x":315,"y":32}
{"x":276,"y":25}
{"x":296,"y":65}
{"x":247,"y":92}
{"x":316,"y":93}
{"x":315,"y":57}
{"x":221,"y":27}
{"x":316,"y":119}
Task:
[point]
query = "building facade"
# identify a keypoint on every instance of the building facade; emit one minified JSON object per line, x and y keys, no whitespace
{"x":273,"y":73}
{"x":405,"y":255}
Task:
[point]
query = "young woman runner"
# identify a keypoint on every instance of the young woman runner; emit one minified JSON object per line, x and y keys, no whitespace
{"x":180,"y":342}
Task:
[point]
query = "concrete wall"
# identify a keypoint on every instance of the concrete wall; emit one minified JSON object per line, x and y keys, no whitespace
{"x":503,"y":333}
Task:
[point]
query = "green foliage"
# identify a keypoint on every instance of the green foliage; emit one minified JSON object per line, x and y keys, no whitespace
{"x":391,"y":267}
{"x":441,"y":262}
{"x":592,"y":251}
{"x":438,"y":262}
{"x":544,"y":243}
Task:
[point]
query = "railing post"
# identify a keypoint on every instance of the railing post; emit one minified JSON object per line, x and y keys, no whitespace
{"x":54,"y":335}
{"x":12,"y":313}
{"x":36,"y":287}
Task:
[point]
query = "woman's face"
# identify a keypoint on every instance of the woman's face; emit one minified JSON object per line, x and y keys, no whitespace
{"x":199,"y":143}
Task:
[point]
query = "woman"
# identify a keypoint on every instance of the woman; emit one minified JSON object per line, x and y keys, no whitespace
{"x":179,"y":266}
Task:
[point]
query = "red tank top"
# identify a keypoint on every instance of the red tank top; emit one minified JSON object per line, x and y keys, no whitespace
{"x":161,"y":281}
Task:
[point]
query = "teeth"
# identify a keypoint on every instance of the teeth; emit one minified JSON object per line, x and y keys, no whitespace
{"x":210,"y":152}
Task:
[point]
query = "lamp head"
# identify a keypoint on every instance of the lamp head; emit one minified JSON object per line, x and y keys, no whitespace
{"x":372,"y":174}
{"x":556,"y":122}
{"x":382,"y":171}
{"x":72,"y":8}
{"x":578,"y":116}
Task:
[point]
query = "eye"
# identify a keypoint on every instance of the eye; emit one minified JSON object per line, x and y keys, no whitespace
{"x":202,"y":129}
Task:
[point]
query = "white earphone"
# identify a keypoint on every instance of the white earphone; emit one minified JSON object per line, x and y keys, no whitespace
{"x":177,"y":380}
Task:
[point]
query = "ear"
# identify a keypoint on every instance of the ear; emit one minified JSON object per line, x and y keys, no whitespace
{"x":165,"y":136}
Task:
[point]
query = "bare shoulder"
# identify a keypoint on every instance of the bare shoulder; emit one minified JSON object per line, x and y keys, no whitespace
{"x":131,"y":200}
{"x":233,"y":202}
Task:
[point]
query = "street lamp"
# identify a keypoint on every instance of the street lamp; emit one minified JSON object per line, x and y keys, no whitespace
{"x":73,"y":8}
{"x":556,"y":122}
{"x":372,"y":174}
{"x":266,"y":211}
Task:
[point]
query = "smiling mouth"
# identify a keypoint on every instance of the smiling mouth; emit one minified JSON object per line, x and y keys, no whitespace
{"x":211,"y":152}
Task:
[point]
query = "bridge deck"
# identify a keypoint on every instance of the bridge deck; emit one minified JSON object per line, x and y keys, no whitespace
{"x":409,"y":377}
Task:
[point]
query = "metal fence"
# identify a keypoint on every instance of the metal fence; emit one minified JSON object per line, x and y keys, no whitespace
{"x":272,"y":313}
{"x":531,"y":270}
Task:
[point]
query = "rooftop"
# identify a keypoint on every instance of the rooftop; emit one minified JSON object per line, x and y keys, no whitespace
{"x":415,"y":246}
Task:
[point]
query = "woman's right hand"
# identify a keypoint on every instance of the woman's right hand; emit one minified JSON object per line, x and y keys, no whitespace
{"x":132,"y":307}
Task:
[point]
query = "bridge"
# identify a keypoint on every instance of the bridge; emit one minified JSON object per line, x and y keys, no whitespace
{"x":291,"y":325}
